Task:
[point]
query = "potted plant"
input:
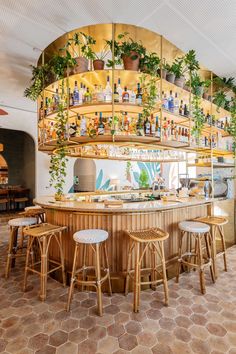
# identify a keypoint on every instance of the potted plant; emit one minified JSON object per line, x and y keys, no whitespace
{"x":150,"y":63}
{"x":220,"y":99}
{"x":98,"y":58}
{"x":177,"y":69}
{"x":198,"y":85}
{"x":128,"y":51}
{"x":39,"y":80}
{"x":163,"y":70}
{"x":170,"y":76}
{"x":143,"y":179}
{"x":59,"y":64}
{"x":207,"y":84}
{"x":81,"y":46}
{"x":190,"y":62}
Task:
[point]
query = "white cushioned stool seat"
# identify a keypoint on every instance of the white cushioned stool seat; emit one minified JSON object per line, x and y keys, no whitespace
{"x":22,"y":222}
{"x":194,"y":226}
{"x":90,"y":236}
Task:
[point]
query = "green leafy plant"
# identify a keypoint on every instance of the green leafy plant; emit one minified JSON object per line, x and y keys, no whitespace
{"x":220,"y":99}
{"x":197,"y":84}
{"x":125,"y":46}
{"x":224,"y":84}
{"x":198,"y":117}
{"x":190,"y":62}
{"x":149,"y":88}
{"x":102,"y":54}
{"x":232,"y":127}
{"x":58,"y":162}
{"x":143,"y":179}
{"x":81,"y":45}
{"x":150,"y":63}
{"x":38,"y":80}
{"x":59,"y":64}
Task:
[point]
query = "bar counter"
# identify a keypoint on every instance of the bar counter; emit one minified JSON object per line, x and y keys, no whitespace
{"x":81,"y":215}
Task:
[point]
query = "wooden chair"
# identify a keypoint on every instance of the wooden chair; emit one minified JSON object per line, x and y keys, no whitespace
{"x":4,"y":198}
{"x":96,"y":240}
{"x":43,"y":234}
{"x":216,"y":223}
{"x":195,"y":232}
{"x":20,"y":196}
{"x":152,"y":241}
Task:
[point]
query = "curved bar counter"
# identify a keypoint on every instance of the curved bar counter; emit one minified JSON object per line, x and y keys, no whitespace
{"x":84,"y":215}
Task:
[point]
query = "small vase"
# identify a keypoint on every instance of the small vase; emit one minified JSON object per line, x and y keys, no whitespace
{"x":98,"y":64}
{"x":58,"y":197}
{"x":129,"y":63}
{"x":170,"y":77}
{"x":179,"y":81}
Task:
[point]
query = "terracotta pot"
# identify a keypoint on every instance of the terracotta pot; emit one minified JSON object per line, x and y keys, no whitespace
{"x":170,"y":77}
{"x":98,"y":64}
{"x":129,"y":63}
{"x":82,"y":65}
{"x":179,"y":81}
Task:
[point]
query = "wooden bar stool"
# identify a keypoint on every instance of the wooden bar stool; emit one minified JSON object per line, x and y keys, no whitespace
{"x":95,"y":239}
{"x":15,"y":248}
{"x":216,"y":223}
{"x":152,"y":240}
{"x":35,"y":211}
{"x":195,"y":231}
{"x":43,"y":234}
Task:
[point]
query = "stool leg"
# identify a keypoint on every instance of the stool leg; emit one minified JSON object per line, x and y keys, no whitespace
{"x":44,"y":269}
{"x":153,"y":265}
{"x":28,"y":252}
{"x":73,"y":279}
{"x":84,"y":263}
{"x":214,"y":250}
{"x":108,"y":269}
{"x":128,"y":267}
{"x":136,"y":278}
{"x":180,"y":254}
{"x":208,"y":249}
{"x":98,"y":280}
{"x":10,"y":250}
{"x":222,"y":236}
{"x":201,"y":266}
{"x":62,"y":259}
{"x":163,"y":262}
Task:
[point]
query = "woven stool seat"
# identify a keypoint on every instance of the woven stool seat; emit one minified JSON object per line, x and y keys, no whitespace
{"x":33,"y":207}
{"x":213,"y":220}
{"x":194,"y":226}
{"x":43,"y":230}
{"x":90,"y":236}
{"x":148,"y":235}
{"x":20,"y":222}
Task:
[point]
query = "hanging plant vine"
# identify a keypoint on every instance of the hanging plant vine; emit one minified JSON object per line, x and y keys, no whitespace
{"x":198,"y":116}
{"x":149,"y":87}
{"x":232,"y":127}
{"x":58,"y":162}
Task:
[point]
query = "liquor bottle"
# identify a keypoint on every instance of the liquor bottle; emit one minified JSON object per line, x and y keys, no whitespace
{"x":101,"y":126}
{"x":147,"y":127}
{"x":100,"y":94}
{"x":173,"y":130}
{"x":158,"y":128}
{"x":153,"y":126}
{"x":183,"y":135}
{"x":108,"y":91}
{"x":168,"y":130}
{"x":186,"y":136}
{"x":83,"y":126}
{"x":126,"y":124}
{"x":87,"y":96}
{"x":171,"y":102}
{"x":208,"y":118}
{"x":176,"y":104}
{"x":139,"y":126}
{"x":95,"y":93}
{"x":41,"y":111}
{"x":226,"y":125}
{"x":132,"y":97}
{"x":181,"y":108}
{"x":139,"y":95}
{"x":125,"y":95}
{"x":56,"y":100}
{"x":96,"y":121}
{"x":116,"y":94}
{"x":119,"y":90}
{"x":186,"y":111}
{"x":81,"y":93}
{"x":72,"y":130}
{"x":76,"y":95}
{"x":180,"y":134}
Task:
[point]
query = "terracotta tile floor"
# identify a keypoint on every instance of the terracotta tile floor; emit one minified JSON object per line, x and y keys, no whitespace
{"x":191,"y":324}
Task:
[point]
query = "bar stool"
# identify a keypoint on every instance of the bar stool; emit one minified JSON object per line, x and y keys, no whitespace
{"x":152,"y":240}
{"x":216,"y":223}
{"x":13,"y":247}
{"x":195,"y":231}
{"x":43,"y":235}
{"x":35,"y":211}
{"x":95,"y":239}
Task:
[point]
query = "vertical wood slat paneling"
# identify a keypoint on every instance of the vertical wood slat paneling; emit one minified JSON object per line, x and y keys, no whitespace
{"x":116,"y":224}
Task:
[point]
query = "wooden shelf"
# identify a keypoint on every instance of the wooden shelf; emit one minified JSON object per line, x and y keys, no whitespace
{"x":215,"y":165}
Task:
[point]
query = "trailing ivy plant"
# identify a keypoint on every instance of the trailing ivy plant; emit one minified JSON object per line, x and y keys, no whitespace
{"x":39,"y":75}
{"x":232,"y":127}
{"x":59,"y":160}
{"x":149,"y":87}
{"x":198,"y":117}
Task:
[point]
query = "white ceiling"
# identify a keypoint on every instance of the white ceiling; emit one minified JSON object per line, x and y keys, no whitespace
{"x":208,"y":26}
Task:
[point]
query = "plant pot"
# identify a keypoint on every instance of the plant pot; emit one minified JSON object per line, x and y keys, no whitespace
{"x":58,"y":197}
{"x":98,"y":64}
{"x":170,"y":77}
{"x":187,"y":88}
{"x":129,"y":63}
{"x":82,"y":65}
{"x":179,"y":81}
{"x":164,"y":73}
{"x":205,"y":95}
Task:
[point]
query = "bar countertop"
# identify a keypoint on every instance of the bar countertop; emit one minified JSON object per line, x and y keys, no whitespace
{"x":48,"y":202}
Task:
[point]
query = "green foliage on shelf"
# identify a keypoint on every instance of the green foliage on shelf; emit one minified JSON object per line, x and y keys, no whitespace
{"x":59,"y":64}
{"x":232,"y":127}
{"x":150,"y":63}
{"x":58,"y":162}
{"x":198,"y":117}
{"x":220,"y":99}
{"x":39,"y":75}
{"x":81,"y":45}
{"x":149,"y":88}
{"x":143,"y":179}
